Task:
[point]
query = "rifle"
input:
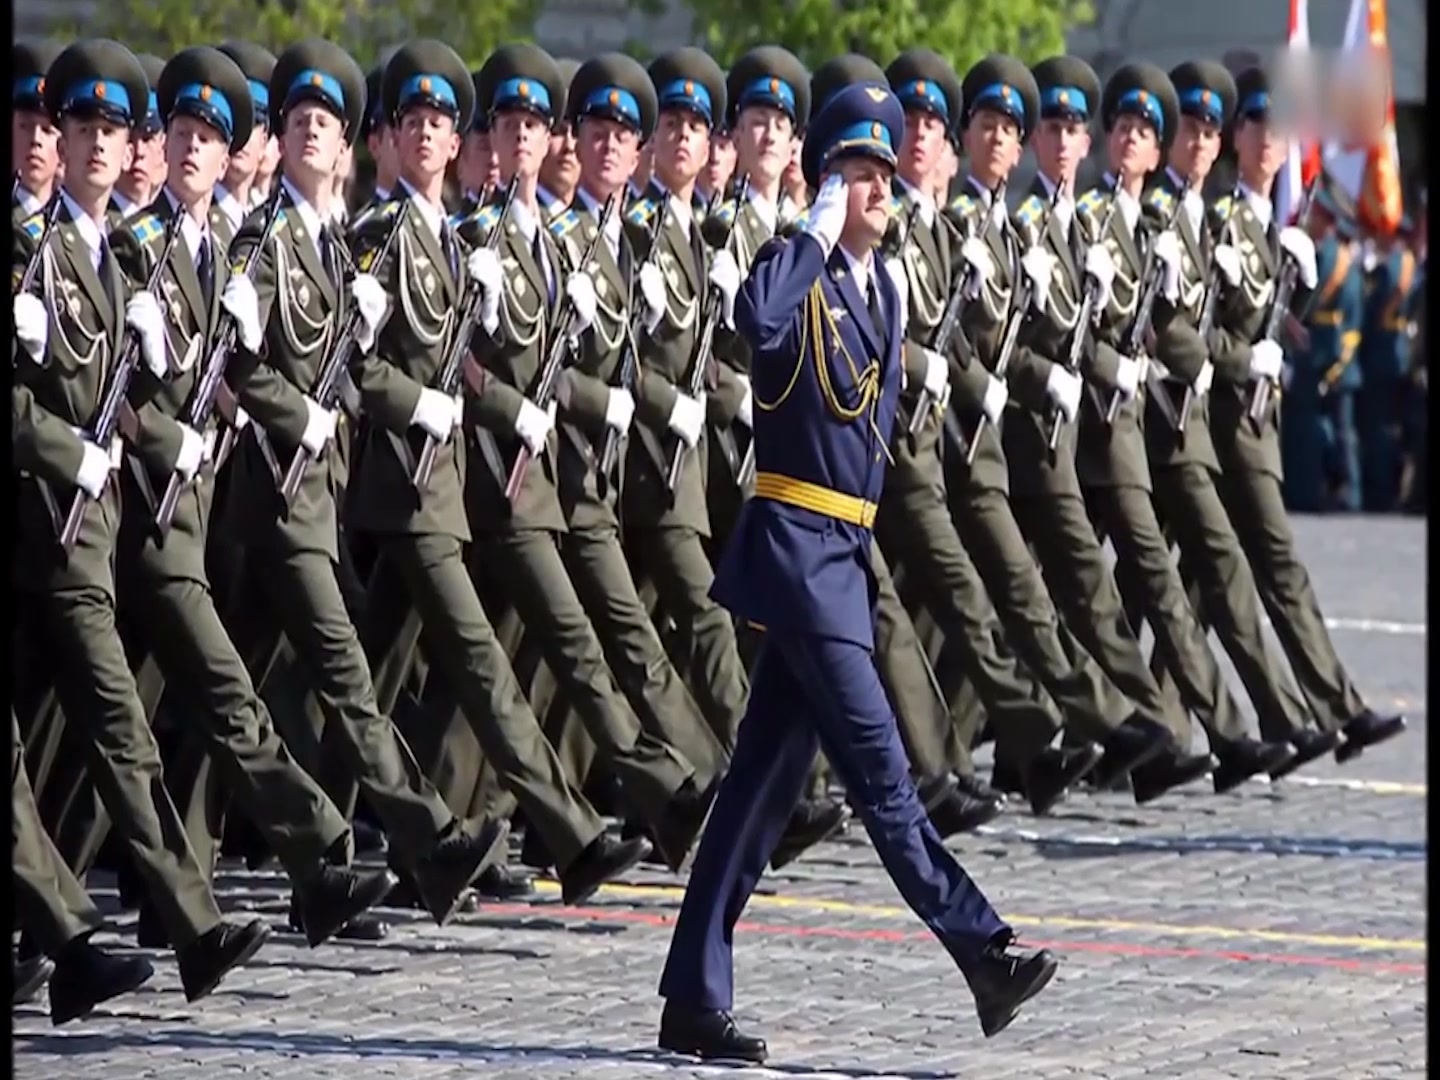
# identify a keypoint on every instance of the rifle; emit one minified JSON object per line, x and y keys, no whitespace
{"x":1280,"y":307}
{"x":560,"y":344}
{"x":702,"y":353}
{"x":1207,"y":310}
{"x":32,"y":265}
{"x":107,"y":423}
{"x":1083,"y":317}
{"x":630,"y":362}
{"x":202,"y":401}
{"x":1020,"y":307}
{"x":326,"y":390}
{"x":448,"y":382}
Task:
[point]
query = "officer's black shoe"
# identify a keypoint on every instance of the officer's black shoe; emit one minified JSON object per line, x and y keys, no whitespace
{"x":1308,"y":745}
{"x":683,"y":821}
{"x":1244,"y":758}
{"x":368,"y":840}
{"x":217,"y":952}
{"x":335,"y":896}
{"x":1053,"y":770}
{"x":961,"y":813}
{"x":934,"y":790}
{"x":1003,"y":979}
{"x":501,"y":882}
{"x":150,"y":932}
{"x":533,"y":852}
{"x":707,"y":1033}
{"x":603,"y":859}
{"x":1007,"y":779}
{"x":1367,"y":729}
{"x":972,"y":785}
{"x":30,"y":975}
{"x":1132,"y":744}
{"x":443,"y":876}
{"x":1168,"y":771}
{"x":814,"y":820}
{"x":85,"y":975}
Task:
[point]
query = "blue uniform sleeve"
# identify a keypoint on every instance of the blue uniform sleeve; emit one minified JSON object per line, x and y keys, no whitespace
{"x":767,"y":310}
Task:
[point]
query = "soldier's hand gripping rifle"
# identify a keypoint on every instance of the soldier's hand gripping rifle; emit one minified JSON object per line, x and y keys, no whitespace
{"x":630,"y":362}
{"x":706,"y":345}
{"x":202,"y":401}
{"x":560,"y":344}
{"x":1207,"y":309}
{"x":328,"y":380}
{"x":1288,"y":278}
{"x":1022,"y":297}
{"x":448,"y":382}
{"x":1083,"y":317}
{"x":1152,"y":278}
{"x":107,"y":423}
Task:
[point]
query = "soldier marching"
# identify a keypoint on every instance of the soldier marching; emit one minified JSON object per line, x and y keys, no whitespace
{"x":674,"y":445}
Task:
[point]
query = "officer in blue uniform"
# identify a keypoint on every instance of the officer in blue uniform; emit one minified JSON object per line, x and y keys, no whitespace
{"x":1385,"y":350}
{"x":825,"y":322}
{"x":1318,"y":442}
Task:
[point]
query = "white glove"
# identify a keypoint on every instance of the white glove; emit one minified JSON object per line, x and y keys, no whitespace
{"x":1204,"y":380}
{"x":580,"y":289}
{"x":652,"y":295}
{"x":1063,"y":389}
{"x":1266,"y":357}
{"x":1127,"y":378}
{"x":1302,"y":250}
{"x":725,"y":276}
{"x":979,"y":265}
{"x":240,"y":301}
{"x":319,"y":427}
{"x":1039,"y":267}
{"x":828,"y":212}
{"x":1227,"y":258}
{"x":937,"y":373}
{"x":619,"y":409}
{"x":1100,"y":266}
{"x":94,"y":469}
{"x":687,"y":418}
{"x":533,"y":425}
{"x":370,"y":299}
{"x":483,"y":267}
{"x":437,"y":413}
{"x":32,"y":325}
{"x":242,"y":419}
{"x":1167,"y":251}
{"x":143,"y":315}
{"x":192,"y":453}
{"x":996,"y":395}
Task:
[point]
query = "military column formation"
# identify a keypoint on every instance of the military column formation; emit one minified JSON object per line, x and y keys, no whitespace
{"x":393,"y":525}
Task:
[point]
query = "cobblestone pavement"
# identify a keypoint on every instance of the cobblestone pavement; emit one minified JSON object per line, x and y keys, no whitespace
{"x":1275,"y":932}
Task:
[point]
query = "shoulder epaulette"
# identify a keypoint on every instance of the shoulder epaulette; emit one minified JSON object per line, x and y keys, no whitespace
{"x":641,"y":211}
{"x":565,"y":223}
{"x":146,"y":227}
{"x":34,"y":226}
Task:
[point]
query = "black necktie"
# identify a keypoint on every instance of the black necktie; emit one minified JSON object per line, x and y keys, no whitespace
{"x":537,"y":251}
{"x":872,"y":300}
{"x":205,"y":271}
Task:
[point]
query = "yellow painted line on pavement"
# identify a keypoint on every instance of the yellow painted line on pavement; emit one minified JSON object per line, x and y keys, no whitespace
{"x":1057,"y":922}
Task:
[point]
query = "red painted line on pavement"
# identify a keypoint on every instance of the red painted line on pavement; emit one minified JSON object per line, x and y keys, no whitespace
{"x":642,"y":918}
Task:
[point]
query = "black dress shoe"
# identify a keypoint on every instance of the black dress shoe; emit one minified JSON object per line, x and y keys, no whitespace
{"x":1133,"y":743}
{"x":1053,"y":770}
{"x":217,"y":952}
{"x":603,"y":859}
{"x":150,"y":932}
{"x":934,"y":790}
{"x":972,"y":785}
{"x":1367,"y":729}
{"x":533,"y":852}
{"x":1244,"y":758}
{"x":30,"y":975}
{"x":1307,"y":745}
{"x":814,"y":820}
{"x":443,"y":876}
{"x":500,"y":882}
{"x":1003,"y":979}
{"x":1007,"y":779}
{"x":707,"y":1033}
{"x":85,"y":975}
{"x":682,"y":823}
{"x":1168,"y":771}
{"x":334,"y":897}
{"x":368,"y":840}
{"x":961,"y":813}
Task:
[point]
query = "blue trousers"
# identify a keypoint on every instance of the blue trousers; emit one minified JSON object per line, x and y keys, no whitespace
{"x":808,"y":693}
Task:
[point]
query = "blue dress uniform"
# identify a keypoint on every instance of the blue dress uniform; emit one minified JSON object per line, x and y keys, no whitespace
{"x":1385,"y":350}
{"x":826,"y":384}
